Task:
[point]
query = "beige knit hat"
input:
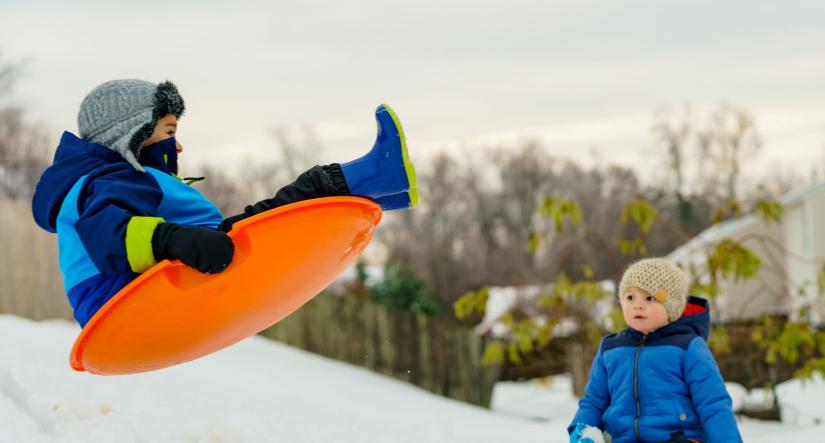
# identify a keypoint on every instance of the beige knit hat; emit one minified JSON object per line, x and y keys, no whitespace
{"x":660,"y":278}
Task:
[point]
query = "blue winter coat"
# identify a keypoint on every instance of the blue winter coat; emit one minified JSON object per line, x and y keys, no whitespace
{"x":659,"y":387}
{"x":104,"y":213}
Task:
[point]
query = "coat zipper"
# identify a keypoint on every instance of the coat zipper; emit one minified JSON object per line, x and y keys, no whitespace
{"x":636,"y":387}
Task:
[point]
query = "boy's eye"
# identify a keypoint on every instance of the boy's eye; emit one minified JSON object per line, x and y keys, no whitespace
{"x":629,"y":297}
{"x":650,"y":298}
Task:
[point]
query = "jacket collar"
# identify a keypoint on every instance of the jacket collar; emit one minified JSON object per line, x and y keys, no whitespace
{"x":696,"y":320}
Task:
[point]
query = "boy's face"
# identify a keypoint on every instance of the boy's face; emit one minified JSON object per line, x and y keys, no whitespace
{"x":166,"y":127}
{"x":642,"y":312}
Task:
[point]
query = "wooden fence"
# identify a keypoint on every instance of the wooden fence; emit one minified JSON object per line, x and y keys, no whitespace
{"x":30,"y":281}
{"x":431,"y":352}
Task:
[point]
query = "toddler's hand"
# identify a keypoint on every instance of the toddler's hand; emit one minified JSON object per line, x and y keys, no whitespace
{"x":586,"y":434}
{"x":204,"y":249}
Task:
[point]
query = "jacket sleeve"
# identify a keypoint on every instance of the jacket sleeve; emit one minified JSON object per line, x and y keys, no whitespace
{"x":707,"y":390}
{"x":596,"y":397}
{"x":117,"y":218}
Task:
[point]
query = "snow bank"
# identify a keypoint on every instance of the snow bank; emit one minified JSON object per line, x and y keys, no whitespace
{"x":256,"y":391}
{"x":263,"y":391}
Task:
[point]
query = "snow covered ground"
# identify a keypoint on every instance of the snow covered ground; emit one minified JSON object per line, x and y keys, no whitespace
{"x":262,"y":391}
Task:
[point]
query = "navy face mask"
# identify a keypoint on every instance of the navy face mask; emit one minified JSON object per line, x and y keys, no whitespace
{"x":162,"y":156}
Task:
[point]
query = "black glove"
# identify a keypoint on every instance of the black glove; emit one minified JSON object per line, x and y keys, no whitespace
{"x":228,"y":222}
{"x":319,"y":181}
{"x":206,"y":250}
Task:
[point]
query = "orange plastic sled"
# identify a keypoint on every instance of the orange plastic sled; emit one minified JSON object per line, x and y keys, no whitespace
{"x":172,"y":314}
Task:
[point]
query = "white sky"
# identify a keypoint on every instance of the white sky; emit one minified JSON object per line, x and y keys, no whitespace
{"x":581,"y":75}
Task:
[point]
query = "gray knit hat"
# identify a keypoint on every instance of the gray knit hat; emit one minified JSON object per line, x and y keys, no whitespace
{"x":662,"y":279}
{"x":122,"y":114}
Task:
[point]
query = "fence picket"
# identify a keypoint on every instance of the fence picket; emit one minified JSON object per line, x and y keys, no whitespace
{"x":430,"y":352}
{"x":30,"y":280}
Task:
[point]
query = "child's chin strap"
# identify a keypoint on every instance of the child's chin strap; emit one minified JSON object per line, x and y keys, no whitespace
{"x":190,"y":180}
{"x":187,"y":180}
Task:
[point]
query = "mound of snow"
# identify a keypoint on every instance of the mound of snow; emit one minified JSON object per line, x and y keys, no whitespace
{"x":255,"y":391}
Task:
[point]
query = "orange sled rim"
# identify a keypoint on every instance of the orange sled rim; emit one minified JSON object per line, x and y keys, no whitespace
{"x":172,"y":314}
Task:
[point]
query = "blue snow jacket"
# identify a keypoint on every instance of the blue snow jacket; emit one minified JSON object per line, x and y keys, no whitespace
{"x":105,"y":212}
{"x":660,"y":387}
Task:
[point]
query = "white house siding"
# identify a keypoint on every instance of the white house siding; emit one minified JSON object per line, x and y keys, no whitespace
{"x":805,"y":241}
{"x":792,"y":252}
{"x":765,"y":293}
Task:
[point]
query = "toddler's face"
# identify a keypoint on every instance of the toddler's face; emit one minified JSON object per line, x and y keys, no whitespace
{"x":642,"y":312}
{"x":166,"y":127}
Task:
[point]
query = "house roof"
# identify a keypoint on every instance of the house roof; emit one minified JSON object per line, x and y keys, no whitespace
{"x":717,"y":232}
{"x":711,"y":235}
{"x":799,"y":195}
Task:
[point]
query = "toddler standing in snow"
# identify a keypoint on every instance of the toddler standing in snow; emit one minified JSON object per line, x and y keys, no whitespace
{"x":656,"y":381}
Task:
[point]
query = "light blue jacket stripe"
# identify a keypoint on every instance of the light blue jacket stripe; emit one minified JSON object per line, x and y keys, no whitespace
{"x":183,"y":204}
{"x":75,"y":264}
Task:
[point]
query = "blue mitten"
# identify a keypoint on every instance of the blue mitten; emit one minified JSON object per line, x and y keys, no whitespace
{"x":586,"y":434}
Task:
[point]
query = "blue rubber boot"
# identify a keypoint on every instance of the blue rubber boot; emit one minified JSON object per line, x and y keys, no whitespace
{"x":395,"y":201}
{"x":386,"y":169}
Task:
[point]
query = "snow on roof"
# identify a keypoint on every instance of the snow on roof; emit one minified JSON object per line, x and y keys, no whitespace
{"x":375,"y":274}
{"x":711,"y":235}
{"x":501,"y":299}
{"x":799,"y":195}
